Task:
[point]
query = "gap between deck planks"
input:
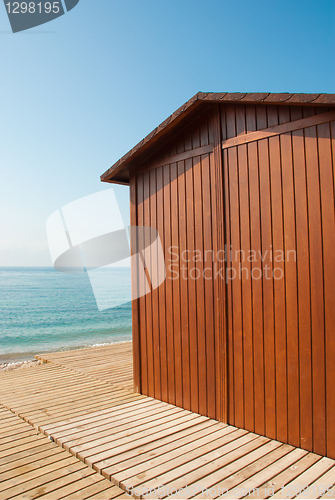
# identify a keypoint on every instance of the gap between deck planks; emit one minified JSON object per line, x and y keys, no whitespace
{"x":83,"y":401}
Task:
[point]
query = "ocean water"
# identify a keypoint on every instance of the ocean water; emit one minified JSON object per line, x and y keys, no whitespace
{"x":43,"y":310}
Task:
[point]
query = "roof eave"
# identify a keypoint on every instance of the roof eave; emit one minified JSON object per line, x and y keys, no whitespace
{"x":119,"y":172}
{"x":149,"y":142}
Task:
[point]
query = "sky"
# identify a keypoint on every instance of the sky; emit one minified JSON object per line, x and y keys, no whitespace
{"x":79,"y":92}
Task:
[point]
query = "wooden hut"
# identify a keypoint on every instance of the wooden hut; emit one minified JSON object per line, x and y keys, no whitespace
{"x":241,"y":190}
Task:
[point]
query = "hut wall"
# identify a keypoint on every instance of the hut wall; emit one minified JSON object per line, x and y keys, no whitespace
{"x":256,"y":351}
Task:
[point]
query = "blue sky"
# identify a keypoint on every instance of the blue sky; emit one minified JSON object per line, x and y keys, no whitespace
{"x":80,"y":91}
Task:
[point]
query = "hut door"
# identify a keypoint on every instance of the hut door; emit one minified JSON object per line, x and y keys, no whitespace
{"x":280,"y":230}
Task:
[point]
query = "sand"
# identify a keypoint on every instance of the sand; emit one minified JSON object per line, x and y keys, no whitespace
{"x":6,"y":367}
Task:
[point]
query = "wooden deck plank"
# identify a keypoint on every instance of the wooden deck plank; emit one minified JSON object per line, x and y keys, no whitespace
{"x":114,"y":401}
{"x":82,"y":445}
{"x":66,"y":413}
{"x":77,"y":487}
{"x":229,"y":458}
{"x":89,"y":435}
{"x":258,"y":479}
{"x":160,"y":450}
{"x":12,"y":442}
{"x":74,"y":487}
{"x":99,"y":487}
{"x":111,"y":447}
{"x":152,"y":448}
{"x":37,"y":473}
{"x":23,"y":455}
{"x":210,"y":441}
{"x":52,"y":474}
{"x":147,"y":407}
{"x":49,"y":482}
{"x":306,"y":478}
{"x":112,"y":363}
{"x":247,"y":473}
{"x":12,"y":470}
{"x":108,"y":495}
{"x":83,"y":400}
{"x":43,"y":418}
{"x":323,"y":484}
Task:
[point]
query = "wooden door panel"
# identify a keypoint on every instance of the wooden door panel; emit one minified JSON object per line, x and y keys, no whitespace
{"x":279,"y":198}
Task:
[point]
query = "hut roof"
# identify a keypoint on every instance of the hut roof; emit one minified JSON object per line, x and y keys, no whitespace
{"x":119,"y":172}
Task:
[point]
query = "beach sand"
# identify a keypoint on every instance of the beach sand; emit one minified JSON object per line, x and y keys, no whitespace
{"x":6,"y":367}
{"x":12,"y":361}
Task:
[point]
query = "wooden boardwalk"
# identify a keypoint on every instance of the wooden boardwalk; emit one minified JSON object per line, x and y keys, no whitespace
{"x":112,"y":364}
{"x":32,"y":466}
{"x":140,"y":444}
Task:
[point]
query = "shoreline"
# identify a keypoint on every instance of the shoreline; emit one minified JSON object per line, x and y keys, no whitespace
{"x":11,"y":361}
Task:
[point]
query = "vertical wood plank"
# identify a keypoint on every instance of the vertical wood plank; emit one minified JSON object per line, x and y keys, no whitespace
{"x":257,"y":291}
{"x":279,"y":289}
{"x":223,"y":122}
{"x":268,"y":297}
{"x":303,"y":279}
{"x":330,"y":347}
{"x":317,"y":303}
{"x":290,"y":256}
{"x":272,"y":116}
{"x":236,"y":287}
{"x":176,"y":288}
{"x":211,"y":372}
{"x":154,"y":292}
{"x":245,"y":279}
{"x":257,"y":119}
{"x":142,"y":290}
{"x":296,"y":113}
{"x":241,"y":127}
{"x":308,"y":111}
{"x":191,"y":287}
{"x":261,"y":116}
{"x":161,"y":290}
{"x":328,"y":234}
{"x":184,"y":301}
{"x":283,"y":114}
{"x":135,"y":285}
{"x":148,"y":301}
{"x":168,"y":285}
{"x":217,"y":132}
{"x":229,"y":292}
{"x":204,"y":135}
{"x":230,"y":121}
{"x":196,"y":275}
{"x":250,"y":118}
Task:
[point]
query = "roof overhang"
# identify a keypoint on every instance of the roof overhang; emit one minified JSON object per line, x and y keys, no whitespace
{"x":119,"y":172}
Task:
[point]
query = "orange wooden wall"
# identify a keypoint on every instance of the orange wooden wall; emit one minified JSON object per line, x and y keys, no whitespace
{"x":279,"y":195}
{"x":178,"y":323}
{"x":256,"y":353}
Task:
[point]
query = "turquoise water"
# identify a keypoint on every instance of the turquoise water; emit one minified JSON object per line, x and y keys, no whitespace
{"x":44,"y":310}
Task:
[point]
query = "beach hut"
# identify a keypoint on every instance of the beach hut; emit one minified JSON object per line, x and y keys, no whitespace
{"x":240,"y":188}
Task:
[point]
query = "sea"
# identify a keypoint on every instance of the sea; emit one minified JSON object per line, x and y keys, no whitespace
{"x":44,"y":310}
